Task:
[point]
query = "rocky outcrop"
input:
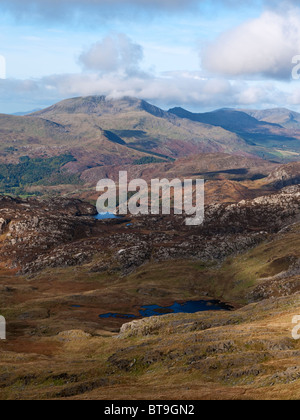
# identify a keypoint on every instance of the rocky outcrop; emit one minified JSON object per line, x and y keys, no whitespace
{"x":36,"y":234}
{"x":285,"y":175}
{"x":3,"y":224}
{"x":32,"y":228}
{"x":274,"y":288}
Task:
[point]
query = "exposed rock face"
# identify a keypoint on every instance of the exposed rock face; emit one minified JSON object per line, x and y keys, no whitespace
{"x":275,"y":287}
{"x":32,"y":228}
{"x":3,"y":224}
{"x":142,"y":327}
{"x":285,"y":175}
{"x":133,"y":257}
{"x":36,"y":234}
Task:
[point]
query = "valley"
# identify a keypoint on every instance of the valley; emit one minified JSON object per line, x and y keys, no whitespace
{"x":73,"y":286}
{"x":61,"y":268}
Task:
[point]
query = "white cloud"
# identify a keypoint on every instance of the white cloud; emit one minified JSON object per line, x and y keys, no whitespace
{"x":112,"y":67}
{"x":260,"y":47}
{"x":175,"y":89}
{"x":113,"y":54}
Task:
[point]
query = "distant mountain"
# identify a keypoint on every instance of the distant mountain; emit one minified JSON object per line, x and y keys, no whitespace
{"x":142,"y":127}
{"x":285,"y":117}
{"x":270,"y":139}
{"x":175,"y":133}
{"x":86,"y":137}
{"x":100,"y":105}
{"x":21,"y":114}
{"x":228,"y":119}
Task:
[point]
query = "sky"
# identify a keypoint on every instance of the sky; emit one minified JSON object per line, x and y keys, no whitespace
{"x":198,"y":54}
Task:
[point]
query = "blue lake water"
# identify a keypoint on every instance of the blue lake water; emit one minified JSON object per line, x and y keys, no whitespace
{"x":106,"y":216}
{"x":190,"y":307}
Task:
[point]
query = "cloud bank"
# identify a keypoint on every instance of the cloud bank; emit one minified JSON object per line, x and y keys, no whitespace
{"x":240,"y":68}
{"x":112,"y":67}
{"x":93,"y":9}
{"x":260,"y":47}
{"x":187,"y":89}
{"x":115,"y":53}
{"x":87,"y":10}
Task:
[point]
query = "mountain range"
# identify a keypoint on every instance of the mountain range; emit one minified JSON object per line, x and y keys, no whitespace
{"x":77,"y":140}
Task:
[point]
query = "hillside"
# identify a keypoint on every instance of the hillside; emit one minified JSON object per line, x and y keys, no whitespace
{"x":267,"y":139}
{"x":69,"y":146}
{"x":285,"y":117}
{"x":141,"y":126}
{"x":37,"y":137}
{"x":229,"y":119}
{"x":72,"y":268}
{"x":285,"y":175}
{"x":177,"y":132}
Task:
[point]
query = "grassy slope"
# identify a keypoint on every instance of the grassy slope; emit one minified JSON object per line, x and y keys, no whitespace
{"x":40,"y":137}
{"x":158,"y":131}
{"x":248,"y":353}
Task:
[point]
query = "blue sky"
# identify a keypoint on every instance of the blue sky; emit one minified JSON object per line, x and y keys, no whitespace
{"x":198,"y":54}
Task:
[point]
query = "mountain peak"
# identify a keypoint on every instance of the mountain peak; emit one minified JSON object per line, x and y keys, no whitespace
{"x":100,"y":105}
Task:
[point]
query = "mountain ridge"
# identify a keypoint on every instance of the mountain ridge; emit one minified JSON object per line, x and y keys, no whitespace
{"x":102,"y":134}
{"x":286,"y":117}
{"x":261,"y":138}
{"x":227,"y":118}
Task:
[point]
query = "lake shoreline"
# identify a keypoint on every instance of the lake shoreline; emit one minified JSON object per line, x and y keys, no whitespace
{"x":184,"y":307}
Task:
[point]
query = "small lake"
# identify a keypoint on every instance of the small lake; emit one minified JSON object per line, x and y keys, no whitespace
{"x":106,"y":216}
{"x":190,"y":307}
